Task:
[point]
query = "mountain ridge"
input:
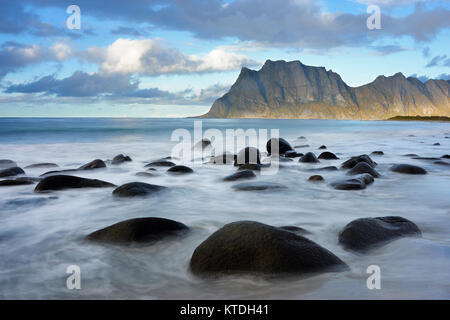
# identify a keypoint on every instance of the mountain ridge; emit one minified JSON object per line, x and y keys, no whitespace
{"x":292,"y":89}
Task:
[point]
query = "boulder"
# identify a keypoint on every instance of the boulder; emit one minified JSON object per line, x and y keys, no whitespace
{"x":180,"y":170}
{"x":367,"y":233}
{"x":446,"y":156}
{"x":283,"y":145}
{"x":138,"y":230}
{"x":322,"y":147}
{"x":61,"y":182}
{"x":5,"y":164}
{"x":253,"y":247}
{"x":293,"y":154}
{"x":316,"y":178}
{"x":357,"y":183}
{"x":377,"y":153}
{"x":248,"y":155}
{"x":240,"y":175}
{"x":326,"y":155}
{"x":95,"y":164}
{"x":408,"y":169}
{"x":363,"y":167}
{"x":120,"y":158}
{"x":353,"y":161}
{"x":10,"y":172}
{"x":309,"y":158}
{"x":42,"y":165}
{"x":134,"y":189}
{"x":257,"y":186}
{"x":436,"y":144}
{"x":160,"y":163}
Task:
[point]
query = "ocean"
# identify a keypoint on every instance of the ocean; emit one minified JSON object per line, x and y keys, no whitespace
{"x":42,"y":234}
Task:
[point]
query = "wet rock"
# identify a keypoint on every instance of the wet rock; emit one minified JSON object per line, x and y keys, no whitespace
{"x":408,"y":169}
{"x":316,"y":178}
{"x":258,"y":186}
{"x":5,"y":164}
{"x":328,"y":168}
{"x":446,"y":156}
{"x":309,"y":158}
{"x":357,"y":183}
{"x":61,"y":182}
{"x":180,"y":170}
{"x":136,"y":189}
{"x":250,"y":166}
{"x":363,"y":167}
{"x":378,"y":153}
{"x":226,"y":158}
{"x":253,"y":247}
{"x":367,"y":233}
{"x":292,"y":154}
{"x":160,"y":163}
{"x":10,"y":172}
{"x":120,"y":158}
{"x":248,"y":155}
{"x":139,"y":230}
{"x":322,"y":147}
{"x":283,"y":145}
{"x":21,"y":182}
{"x":42,"y":165}
{"x":95,"y":164}
{"x":240,"y":175}
{"x":353,"y":161}
{"x":328,"y":156}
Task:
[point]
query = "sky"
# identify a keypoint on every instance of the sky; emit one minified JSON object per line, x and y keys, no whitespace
{"x":152,"y":58}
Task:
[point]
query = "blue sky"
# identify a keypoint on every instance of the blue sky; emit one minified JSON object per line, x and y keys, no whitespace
{"x":147,"y":58}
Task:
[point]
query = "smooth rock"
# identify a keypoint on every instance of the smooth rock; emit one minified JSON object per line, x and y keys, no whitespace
{"x":95,"y":164}
{"x":6,"y":163}
{"x":135,"y":189}
{"x":10,"y":172}
{"x":309,"y":158}
{"x":42,"y":165}
{"x":258,"y":186}
{"x":283,"y":145}
{"x":160,"y":163}
{"x":61,"y":182}
{"x":180,"y":170}
{"x":322,"y":147}
{"x":408,"y":169}
{"x":293,"y":154}
{"x":377,"y":153}
{"x":240,"y":175}
{"x":316,"y":178}
{"x":328,"y":156}
{"x":363,"y":167}
{"x":120,"y":158}
{"x":248,"y":155}
{"x":353,"y":161}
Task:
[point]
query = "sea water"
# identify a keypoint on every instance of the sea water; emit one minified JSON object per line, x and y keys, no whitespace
{"x":42,"y":234}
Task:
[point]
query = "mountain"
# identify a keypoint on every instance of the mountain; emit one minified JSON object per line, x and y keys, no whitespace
{"x":283,"y":89}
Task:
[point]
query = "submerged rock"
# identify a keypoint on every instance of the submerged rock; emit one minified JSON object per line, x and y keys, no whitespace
{"x":253,"y":247}
{"x":328,"y":168}
{"x":357,"y":183}
{"x":61,"y":182}
{"x":408,"y":169}
{"x":20,"y":182}
{"x":120,"y":158}
{"x":309,"y":158}
{"x":363,"y":167}
{"x":10,"y":172}
{"x":135,"y":189}
{"x":139,"y":230}
{"x":146,"y":174}
{"x":316,"y":178}
{"x":248,"y":155}
{"x":6,"y":163}
{"x":258,"y":186}
{"x":160,"y":163}
{"x":95,"y":164}
{"x":283,"y":145}
{"x":180,"y":170}
{"x":328,"y":156}
{"x":377,"y":153}
{"x":42,"y":165}
{"x":240,"y":175}
{"x":366,"y":233}
{"x":353,"y":161}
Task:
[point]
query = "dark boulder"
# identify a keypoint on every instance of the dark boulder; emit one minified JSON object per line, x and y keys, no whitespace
{"x":257,"y":186}
{"x":61,"y":182}
{"x":316,"y":178}
{"x":253,"y":247}
{"x":408,"y":169}
{"x":309,"y":158}
{"x":377,"y":153}
{"x":353,"y":161}
{"x":5,"y":163}
{"x":160,"y":163}
{"x":120,"y":158}
{"x":226,"y":158}
{"x":139,"y":230}
{"x":328,"y":156}
{"x":283,"y":145}
{"x":10,"y":172}
{"x":20,"y":182}
{"x":357,"y":183}
{"x":322,"y":147}
{"x":363,"y":167}
{"x":436,"y":144}
{"x":240,"y":175}
{"x":248,"y":155}
{"x":134,"y":189}
{"x":95,"y":164}
{"x":293,"y":154}
{"x":366,"y":233}
{"x":57,"y":172}
{"x":446,"y":156}
{"x":180,"y":170}
{"x":41,"y":165}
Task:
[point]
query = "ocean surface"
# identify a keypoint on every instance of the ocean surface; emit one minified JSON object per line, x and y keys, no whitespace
{"x":42,"y":234}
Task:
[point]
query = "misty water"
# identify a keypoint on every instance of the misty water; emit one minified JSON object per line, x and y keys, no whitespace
{"x":42,"y":234}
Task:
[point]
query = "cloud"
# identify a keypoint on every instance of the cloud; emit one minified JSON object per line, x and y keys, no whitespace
{"x":442,"y":76}
{"x":439,"y":61}
{"x":152,"y":57}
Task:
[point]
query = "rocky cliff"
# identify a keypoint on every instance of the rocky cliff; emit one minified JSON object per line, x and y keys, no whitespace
{"x":283,"y":89}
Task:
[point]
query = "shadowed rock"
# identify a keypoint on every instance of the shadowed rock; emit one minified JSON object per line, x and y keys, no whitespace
{"x":180,"y":170}
{"x":95,"y":164}
{"x":136,"y":189}
{"x":353,"y":161}
{"x":10,"y":172}
{"x":363,"y":167}
{"x":328,"y":156}
{"x":120,"y":158}
{"x":248,"y":155}
{"x":408,"y":169}
{"x":283,"y":145}
{"x":367,"y":233}
{"x":61,"y":182}
{"x":253,"y":247}
{"x":160,"y":163}
{"x":309,"y":158}
{"x":41,"y":165}
{"x":240,"y":175}
{"x":258,"y":186}
{"x":139,"y":230}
